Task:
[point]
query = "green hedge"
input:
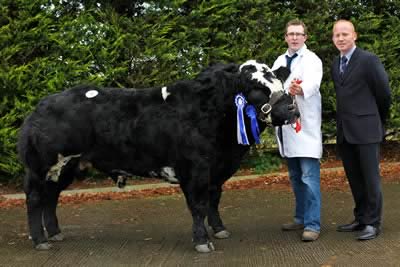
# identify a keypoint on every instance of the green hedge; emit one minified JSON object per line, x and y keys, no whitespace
{"x":47,"y":46}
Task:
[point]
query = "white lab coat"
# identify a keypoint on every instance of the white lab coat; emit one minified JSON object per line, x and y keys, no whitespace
{"x":307,"y":142}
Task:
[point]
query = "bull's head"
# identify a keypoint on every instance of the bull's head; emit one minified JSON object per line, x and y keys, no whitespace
{"x":264,"y":90}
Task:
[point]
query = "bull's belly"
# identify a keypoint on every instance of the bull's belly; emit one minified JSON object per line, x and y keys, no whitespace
{"x":112,"y":161}
{"x":142,"y":166}
{"x":112,"y":168}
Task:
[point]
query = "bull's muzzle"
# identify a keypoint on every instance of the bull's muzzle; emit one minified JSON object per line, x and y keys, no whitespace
{"x":291,"y":110}
{"x":266,"y":109}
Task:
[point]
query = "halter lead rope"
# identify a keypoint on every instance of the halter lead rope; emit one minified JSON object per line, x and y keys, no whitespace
{"x":297,"y":124}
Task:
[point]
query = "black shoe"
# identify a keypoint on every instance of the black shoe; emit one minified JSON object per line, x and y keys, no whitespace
{"x":369,"y":232}
{"x":351,"y":227}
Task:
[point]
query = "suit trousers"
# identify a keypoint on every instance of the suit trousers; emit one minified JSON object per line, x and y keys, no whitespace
{"x":361,"y":165}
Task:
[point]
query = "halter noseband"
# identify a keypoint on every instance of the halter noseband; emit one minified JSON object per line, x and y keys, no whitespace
{"x":267,"y":107}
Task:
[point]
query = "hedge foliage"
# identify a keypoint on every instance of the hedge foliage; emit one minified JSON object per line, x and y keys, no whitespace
{"x":50,"y":45}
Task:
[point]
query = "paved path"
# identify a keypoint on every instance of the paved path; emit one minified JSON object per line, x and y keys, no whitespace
{"x":128,"y":188}
{"x":156,"y":232}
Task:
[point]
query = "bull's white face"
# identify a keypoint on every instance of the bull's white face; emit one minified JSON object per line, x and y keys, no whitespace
{"x":265,"y":91}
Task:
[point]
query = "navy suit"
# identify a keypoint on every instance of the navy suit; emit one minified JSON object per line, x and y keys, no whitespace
{"x":362,"y":106}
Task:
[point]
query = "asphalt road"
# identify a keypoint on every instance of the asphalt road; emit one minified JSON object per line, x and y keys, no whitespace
{"x":157,"y":232}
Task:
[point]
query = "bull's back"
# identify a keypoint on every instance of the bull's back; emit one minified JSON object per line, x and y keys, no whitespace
{"x":85,"y":118}
{"x":63,"y":122}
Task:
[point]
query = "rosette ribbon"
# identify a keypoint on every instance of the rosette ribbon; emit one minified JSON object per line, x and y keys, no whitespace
{"x":240,"y":102}
{"x":251,"y":113}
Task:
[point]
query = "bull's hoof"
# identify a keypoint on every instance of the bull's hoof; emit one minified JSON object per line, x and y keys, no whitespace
{"x":205,"y":248}
{"x":58,"y":237}
{"x":222,"y":234}
{"x":43,"y":246}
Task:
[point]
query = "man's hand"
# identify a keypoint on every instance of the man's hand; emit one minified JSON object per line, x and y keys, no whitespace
{"x":295,"y":88}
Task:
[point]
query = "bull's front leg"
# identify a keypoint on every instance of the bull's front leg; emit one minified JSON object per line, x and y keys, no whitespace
{"x":196,"y":193}
{"x":214,"y":218}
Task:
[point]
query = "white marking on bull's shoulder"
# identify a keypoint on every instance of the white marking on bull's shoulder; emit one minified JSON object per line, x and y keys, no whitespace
{"x":275,"y":86}
{"x":91,"y":93}
{"x":54,"y":173}
{"x":164,"y":93}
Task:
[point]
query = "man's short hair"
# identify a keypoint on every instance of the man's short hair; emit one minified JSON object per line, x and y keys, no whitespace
{"x":296,"y":22}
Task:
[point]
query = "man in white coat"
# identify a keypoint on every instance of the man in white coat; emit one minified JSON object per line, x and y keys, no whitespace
{"x":302,"y":148}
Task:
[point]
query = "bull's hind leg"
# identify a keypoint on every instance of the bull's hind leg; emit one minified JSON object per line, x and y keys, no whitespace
{"x":214,"y":219}
{"x":196,"y":193}
{"x":53,"y":190}
{"x":50,"y":214}
{"x":34,"y":202}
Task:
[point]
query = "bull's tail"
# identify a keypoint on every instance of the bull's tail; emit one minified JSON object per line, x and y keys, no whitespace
{"x":23,"y":145}
{"x":28,"y":154}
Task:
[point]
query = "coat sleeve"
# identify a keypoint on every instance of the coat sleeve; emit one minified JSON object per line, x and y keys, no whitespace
{"x":379,"y":84}
{"x":312,"y":76}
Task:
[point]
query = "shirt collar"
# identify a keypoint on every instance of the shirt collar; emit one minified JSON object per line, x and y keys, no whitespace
{"x":349,"y":54}
{"x":299,"y":52}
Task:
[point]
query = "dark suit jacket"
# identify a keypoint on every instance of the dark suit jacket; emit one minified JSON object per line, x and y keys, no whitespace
{"x":362,"y":98}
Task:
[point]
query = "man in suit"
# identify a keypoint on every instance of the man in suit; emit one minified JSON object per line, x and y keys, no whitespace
{"x":362,"y":105}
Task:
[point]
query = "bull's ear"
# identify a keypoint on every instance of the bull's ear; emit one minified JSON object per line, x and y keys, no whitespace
{"x":282,"y":73}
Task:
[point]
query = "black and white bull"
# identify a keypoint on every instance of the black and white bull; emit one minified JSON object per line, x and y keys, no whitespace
{"x":187,"y":130}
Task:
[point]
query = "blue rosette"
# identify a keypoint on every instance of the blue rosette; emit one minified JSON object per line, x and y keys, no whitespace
{"x":251,"y":113}
{"x":241,"y":102}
